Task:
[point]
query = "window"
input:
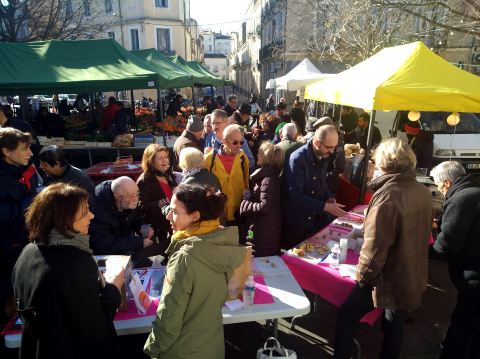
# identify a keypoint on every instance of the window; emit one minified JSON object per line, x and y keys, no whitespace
{"x":163,"y":39}
{"x":131,"y":5}
{"x":69,"y":8}
{"x":223,"y":67}
{"x":161,"y":4}
{"x":209,"y":47}
{"x":110,"y":34}
{"x":208,"y":67}
{"x":87,"y":9}
{"x":108,"y":6}
{"x":226,"y":42}
{"x":134,"y":38}
{"x":215,"y":68}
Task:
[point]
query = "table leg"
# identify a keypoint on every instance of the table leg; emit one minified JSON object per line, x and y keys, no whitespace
{"x":270,"y":325}
{"x":275,"y":328}
{"x":90,"y":157}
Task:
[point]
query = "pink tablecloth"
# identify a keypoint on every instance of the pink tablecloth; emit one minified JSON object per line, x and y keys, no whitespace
{"x":326,"y":282}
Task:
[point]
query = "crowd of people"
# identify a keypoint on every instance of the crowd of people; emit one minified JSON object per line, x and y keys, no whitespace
{"x":269,"y":188}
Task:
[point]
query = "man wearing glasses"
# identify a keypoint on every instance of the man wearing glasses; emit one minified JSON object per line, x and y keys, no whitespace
{"x":117,"y":217}
{"x":305,"y":193}
{"x":231,"y":105}
{"x":230,"y":165}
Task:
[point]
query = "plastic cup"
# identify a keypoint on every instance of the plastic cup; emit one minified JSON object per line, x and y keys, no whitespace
{"x":248,"y":296}
{"x":358,"y":246}
{"x":233,"y":288}
{"x":110,"y":168}
{"x":145,"y":230}
{"x":246,"y":194}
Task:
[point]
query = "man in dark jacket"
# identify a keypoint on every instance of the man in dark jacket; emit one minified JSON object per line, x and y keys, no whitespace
{"x":360,"y":134}
{"x":109,"y":113}
{"x":305,"y":193}
{"x":241,"y":116}
{"x":298,"y":117}
{"x":349,"y":119}
{"x":116,"y":216}
{"x":421,"y":142}
{"x":175,"y":106}
{"x":18,"y":184}
{"x":288,"y":143}
{"x":189,"y":138}
{"x":64,"y":108}
{"x":281,"y":110}
{"x":57,"y":169}
{"x":231,"y":105}
{"x":119,"y":124}
{"x":211,"y":104}
{"x":49,"y":124}
{"x":458,"y":242}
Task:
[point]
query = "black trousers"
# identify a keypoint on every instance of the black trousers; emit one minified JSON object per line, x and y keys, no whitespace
{"x":463,"y":335}
{"x":357,"y":305}
{"x":292,"y":234}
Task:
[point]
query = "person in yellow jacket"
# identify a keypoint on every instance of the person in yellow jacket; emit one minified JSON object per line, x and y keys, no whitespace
{"x":230,"y":165}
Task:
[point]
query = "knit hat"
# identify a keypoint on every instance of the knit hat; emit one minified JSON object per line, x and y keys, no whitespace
{"x":280,"y":106}
{"x":412,"y":126}
{"x":279,"y":127}
{"x":246,"y":109}
{"x":322,"y":122}
{"x":194,"y":124}
{"x":310,"y":124}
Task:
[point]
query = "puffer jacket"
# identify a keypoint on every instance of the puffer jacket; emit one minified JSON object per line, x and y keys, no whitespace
{"x":394,"y":255}
{"x":422,"y":146}
{"x":189,"y":321}
{"x":263,"y":212}
{"x":233,"y":184}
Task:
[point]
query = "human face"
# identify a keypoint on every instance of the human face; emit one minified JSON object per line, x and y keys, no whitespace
{"x":178,"y":216}
{"x":44,"y":112}
{"x":219,"y":126}
{"x":233,"y":103}
{"x":264,"y":125}
{"x":362,"y":124}
{"x":51,"y":170}
{"x":20,"y":156}
{"x":323,"y":149}
{"x":344,"y":112}
{"x":160,"y":163}
{"x":260,"y":159}
{"x":180,"y":99}
{"x":444,"y":186}
{"x":279,"y":112}
{"x":82,"y":219}
{"x":230,"y":147}
{"x":128,"y":197}
{"x":208,"y":126}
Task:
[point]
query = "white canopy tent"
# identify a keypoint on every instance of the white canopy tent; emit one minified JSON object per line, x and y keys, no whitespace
{"x":304,"y":74}
{"x":270,"y":84}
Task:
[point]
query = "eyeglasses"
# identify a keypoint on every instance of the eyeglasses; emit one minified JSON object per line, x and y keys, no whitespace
{"x":208,"y":126}
{"x":327,"y":147}
{"x":236,"y":142}
{"x":129,"y":197}
{"x":218,"y":123}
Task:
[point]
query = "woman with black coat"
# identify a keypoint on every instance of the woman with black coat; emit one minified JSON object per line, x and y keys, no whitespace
{"x":263,"y":209}
{"x":65,"y":308}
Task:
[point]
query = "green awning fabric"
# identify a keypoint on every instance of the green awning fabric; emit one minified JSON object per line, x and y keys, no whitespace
{"x":200,"y":78}
{"x":82,"y":66}
{"x":174,"y":76}
{"x":199,"y":68}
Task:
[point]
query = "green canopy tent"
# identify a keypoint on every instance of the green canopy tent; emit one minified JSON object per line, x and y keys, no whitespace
{"x":199,"y":68}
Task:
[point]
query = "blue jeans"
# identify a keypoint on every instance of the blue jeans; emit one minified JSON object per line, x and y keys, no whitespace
{"x":355,"y":307}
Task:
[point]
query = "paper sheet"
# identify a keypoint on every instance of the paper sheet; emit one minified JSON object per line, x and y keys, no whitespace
{"x":132,"y":167}
{"x":348,"y":270}
{"x":234,"y":304}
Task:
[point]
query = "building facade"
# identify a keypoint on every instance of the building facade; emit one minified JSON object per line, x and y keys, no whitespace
{"x":217,"y":64}
{"x":216,"y":43}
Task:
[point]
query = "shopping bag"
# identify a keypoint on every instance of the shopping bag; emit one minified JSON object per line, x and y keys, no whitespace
{"x":275,"y":352}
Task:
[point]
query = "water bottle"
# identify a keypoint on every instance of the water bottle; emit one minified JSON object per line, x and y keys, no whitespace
{"x":250,"y":284}
{"x":334,"y":256}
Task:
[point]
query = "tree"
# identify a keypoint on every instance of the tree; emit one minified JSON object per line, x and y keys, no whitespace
{"x":39,"y":20}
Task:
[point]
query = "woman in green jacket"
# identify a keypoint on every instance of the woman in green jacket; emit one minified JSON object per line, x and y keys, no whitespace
{"x":203,"y":257}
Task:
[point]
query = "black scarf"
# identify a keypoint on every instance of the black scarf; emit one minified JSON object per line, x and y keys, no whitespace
{"x":168,"y":174}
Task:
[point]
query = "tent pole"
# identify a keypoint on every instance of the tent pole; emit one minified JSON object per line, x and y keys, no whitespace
{"x":340,"y":117}
{"x":193,"y":99}
{"x":160,"y":110}
{"x":224,"y":94}
{"x":363,"y":186}
{"x":92,"y":107}
{"x":324,"y":109}
{"x":211,"y":91}
{"x":134,"y":116}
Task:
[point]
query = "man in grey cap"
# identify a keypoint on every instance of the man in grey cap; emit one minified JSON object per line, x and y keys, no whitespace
{"x":310,"y":128}
{"x":189,"y":138}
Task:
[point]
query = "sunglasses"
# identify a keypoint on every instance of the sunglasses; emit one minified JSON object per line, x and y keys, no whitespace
{"x":236,"y":142}
{"x":327,"y":147}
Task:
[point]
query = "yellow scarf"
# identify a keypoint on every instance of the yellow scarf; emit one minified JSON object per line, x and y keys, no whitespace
{"x":203,"y":227}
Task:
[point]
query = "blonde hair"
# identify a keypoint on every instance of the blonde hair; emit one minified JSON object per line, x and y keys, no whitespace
{"x":393,"y":154}
{"x":149,"y":156}
{"x":191,"y":158}
{"x":273,"y":156}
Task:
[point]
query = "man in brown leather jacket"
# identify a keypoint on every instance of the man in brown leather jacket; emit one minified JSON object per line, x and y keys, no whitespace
{"x":393,"y":265}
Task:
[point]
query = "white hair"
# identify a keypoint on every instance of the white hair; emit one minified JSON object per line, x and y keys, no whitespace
{"x":231,"y":128}
{"x":207,"y":118}
{"x":449,"y":170}
{"x":120,"y":182}
{"x":290,"y":129}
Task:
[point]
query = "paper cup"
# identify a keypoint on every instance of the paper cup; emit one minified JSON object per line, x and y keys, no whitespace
{"x":248,"y":296}
{"x":233,"y":288}
{"x":145,"y":230}
{"x":246,"y":194}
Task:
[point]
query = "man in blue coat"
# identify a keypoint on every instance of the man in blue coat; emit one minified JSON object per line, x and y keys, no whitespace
{"x":305,"y":194}
{"x":18,"y":184}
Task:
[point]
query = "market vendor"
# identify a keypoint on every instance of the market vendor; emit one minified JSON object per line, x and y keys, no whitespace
{"x":360,"y":134}
{"x":109,"y":113}
{"x":49,"y":124}
{"x":175,"y":106}
{"x":79,"y":104}
{"x":421,"y":142}
{"x":64,"y":108}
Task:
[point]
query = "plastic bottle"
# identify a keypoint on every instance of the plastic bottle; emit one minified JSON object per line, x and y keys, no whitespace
{"x":250,"y":284}
{"x":334,"y":256}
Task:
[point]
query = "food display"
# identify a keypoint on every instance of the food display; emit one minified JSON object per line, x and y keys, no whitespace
{"x":175,"y":125}
{"x":350,"y":221}
{"x":298,"y":251}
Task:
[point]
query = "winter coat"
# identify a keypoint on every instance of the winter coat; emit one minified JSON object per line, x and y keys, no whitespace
{"x":212,"y":107}
{"x":108,"y":115}
{"x":349,"y":121}
{"x":397,"y":227}
{"x":233,"y":184}
{"x":300,"y":186}
{"x":422,"y":146}
{"x":289,"y":145}
{"x":189,"y":321}
{"x":187,"y":139}
{"x":51,"y":125}
{"x":74,"y":176}
{"x":173,"y":108}
{"x":111,"y":230}
{"x":235,"y":119}
{"x":204,"y":177}
{"x":361,"y":136}
{"x":458,"y":238}
{"x":64,"y":311}
{"x":64,"y":109}
{"x":270,"y":105}
{"x":213,"y":142}
{"x":263,"y":212}
{"x":119,"y":124}
{"x":230,"y":111}
{"x":24,"y":127}
{"x":298,"y":117}
{"x":150,"y":193}
{"x":336,"y":165}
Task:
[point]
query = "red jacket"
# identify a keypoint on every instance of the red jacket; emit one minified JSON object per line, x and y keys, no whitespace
{"x":108,"y":115}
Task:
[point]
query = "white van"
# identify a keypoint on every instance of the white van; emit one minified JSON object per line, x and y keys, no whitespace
{"x":457,"y":143}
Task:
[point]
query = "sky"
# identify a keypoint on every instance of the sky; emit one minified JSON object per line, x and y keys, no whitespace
{"x":228,"y":14}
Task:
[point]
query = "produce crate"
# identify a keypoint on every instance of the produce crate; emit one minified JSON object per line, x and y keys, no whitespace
{"x":104,"y":144}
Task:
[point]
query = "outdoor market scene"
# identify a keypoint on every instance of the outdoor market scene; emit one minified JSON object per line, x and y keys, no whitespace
{"x":153,"y":206}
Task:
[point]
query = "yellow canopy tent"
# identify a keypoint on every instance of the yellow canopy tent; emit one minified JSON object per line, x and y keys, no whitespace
{"x":406,"y":77}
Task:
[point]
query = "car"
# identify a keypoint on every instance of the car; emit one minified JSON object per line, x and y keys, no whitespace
{"x":70,"y":101}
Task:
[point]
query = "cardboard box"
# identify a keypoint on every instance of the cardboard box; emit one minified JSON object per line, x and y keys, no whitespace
{"x":91,"y":144}
{"x":143,"y":140}
{"x":42,"y":140}
{"x":170,"y":141}
{"x":104,"y":144}
{"x":127,"y":264}
{"x":58,"y":141}
{"x":75,"y":144}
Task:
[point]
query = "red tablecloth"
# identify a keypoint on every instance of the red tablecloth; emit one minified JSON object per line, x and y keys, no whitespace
{"x":95,"y":171}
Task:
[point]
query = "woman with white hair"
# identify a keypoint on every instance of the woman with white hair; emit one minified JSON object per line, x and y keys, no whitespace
{"x":193,"y":165}
{"x":393,"y":265}
{"x":458,"y":241}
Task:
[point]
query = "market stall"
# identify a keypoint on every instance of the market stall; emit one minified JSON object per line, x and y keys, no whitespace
{"x":304,"y":74}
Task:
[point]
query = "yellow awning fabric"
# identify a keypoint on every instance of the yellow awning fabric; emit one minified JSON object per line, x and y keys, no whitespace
{"x":406,"y":77}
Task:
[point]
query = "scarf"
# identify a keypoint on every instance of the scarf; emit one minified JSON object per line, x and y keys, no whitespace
{"x":189,"y":173}
{"x":79,"y":240}
{"x":168,"y":174}
{"x":196,"y":229}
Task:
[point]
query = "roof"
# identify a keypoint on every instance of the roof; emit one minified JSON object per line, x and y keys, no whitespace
{"x":80,"y":66}
{"x":406,"y":77}
{"x":305,"y":73}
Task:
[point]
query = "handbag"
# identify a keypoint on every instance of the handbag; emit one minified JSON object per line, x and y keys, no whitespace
{"x":275,"y":352}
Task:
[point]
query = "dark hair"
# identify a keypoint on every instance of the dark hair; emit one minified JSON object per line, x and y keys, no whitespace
{"x":178,"y":97}
{"x":365,"y":116}
{"x":112,"y":100}
{"x":219,"y":98}
{"x":231,"y":97}
{"x":56,"y":206}
{"x":41,"y":108}
{"x":120,"y":104}
{"x":10,"y":138}
{"x":202,"y":198}
{"x":52,"y":154}
{"x":206,"y":98}
{"x":347,"y":108}
{"x":97,"y":102}
{"x":273,"y":122}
